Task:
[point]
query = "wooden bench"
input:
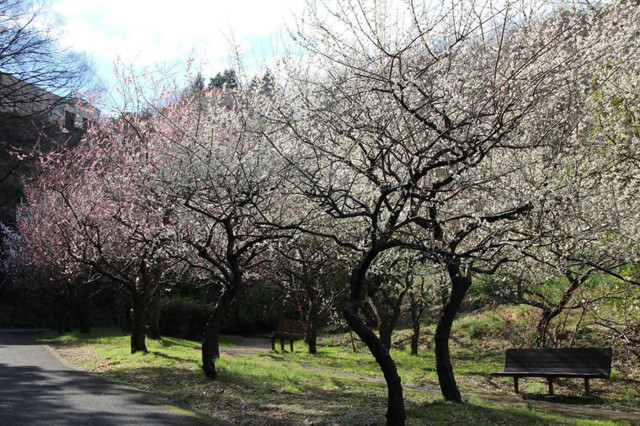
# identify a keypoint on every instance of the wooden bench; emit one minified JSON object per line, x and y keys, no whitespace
{"x":586,"y":363}
{"x":290,"y":330}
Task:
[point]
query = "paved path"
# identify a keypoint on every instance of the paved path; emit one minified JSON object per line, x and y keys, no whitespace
{"x":36,"y":388}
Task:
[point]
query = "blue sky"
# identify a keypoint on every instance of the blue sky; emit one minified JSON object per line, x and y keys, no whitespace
{"x":146,"y":33}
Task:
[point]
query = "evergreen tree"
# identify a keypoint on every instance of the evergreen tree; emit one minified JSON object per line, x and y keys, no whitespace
{"x":227,"y":79}
{"x":198,"y":84}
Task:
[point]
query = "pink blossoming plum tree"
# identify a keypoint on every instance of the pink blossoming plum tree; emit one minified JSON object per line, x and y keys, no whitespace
{"x":100,"y":202}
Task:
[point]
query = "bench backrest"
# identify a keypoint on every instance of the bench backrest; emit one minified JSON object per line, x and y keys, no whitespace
{"x":591,"y":361}
{"x":289,"y":326}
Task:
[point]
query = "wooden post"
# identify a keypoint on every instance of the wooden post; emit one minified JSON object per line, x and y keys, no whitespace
{"x":586,"y":386}
{"x":550,"y":380}
{"x":515,"y":384}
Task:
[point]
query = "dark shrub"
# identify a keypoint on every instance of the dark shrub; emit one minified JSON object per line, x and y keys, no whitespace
{"x":183,"y":317}
{"x":255,"y":311}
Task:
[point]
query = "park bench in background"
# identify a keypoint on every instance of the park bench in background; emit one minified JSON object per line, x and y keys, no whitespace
{"x":290,"y":330}
{"x":586,"y":363}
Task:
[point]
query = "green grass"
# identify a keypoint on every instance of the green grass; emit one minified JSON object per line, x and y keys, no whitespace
{"x":328,"y":388}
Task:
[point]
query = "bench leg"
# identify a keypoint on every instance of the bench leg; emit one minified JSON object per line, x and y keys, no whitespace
{"x":282,"y":345}
{"x":586,"y":386}
{"x":550,"y":380}
{"x":291,"y":343}
{"x":515,"y":384}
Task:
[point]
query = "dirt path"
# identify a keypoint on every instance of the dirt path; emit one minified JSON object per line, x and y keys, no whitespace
{"x":576,"y":409}
{"x":250,"y":346}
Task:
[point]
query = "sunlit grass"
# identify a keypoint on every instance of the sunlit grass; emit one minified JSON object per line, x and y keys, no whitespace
{"x":334,"y":386}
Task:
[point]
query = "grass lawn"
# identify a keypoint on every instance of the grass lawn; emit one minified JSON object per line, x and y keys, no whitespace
{"x":336,"y":386}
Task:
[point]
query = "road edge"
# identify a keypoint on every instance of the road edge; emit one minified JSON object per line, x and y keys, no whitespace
{"x":151,"y":397}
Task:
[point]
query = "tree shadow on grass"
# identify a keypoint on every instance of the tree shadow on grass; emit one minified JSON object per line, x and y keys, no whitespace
{"x":345,"y":401}
{"x":441,"y":412}
{"x":296,"y":397}
{"x":170,"y":342}
{"x":171,"y":357}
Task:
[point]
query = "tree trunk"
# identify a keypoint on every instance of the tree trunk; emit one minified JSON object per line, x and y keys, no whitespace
{"x":459,"y":286}
{"x":415,"y":322}
{"x":415,"y":338}
{"x":312,"y":333}
{"x":138,"y":324}
{"x":395,"y":401}
{"x":211,"y":335}
{"x":416,"y":309}
{"x":211,"y":344}
{"x":389,"y":321}
{"x":543,"y":328}
{"x":552,"y":312}
{"x":385,"y":332}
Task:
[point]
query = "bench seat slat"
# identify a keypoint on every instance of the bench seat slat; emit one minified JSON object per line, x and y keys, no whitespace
{"x":556,"y":367}
{"x":550,"y":374}
{"x":552,"y":363}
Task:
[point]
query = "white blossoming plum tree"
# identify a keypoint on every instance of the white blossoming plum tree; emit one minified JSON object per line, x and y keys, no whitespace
{"x":310,"y":270}
{"x":399,"y":124}
{"x":587,"y":176}
{"x":227,"y":184}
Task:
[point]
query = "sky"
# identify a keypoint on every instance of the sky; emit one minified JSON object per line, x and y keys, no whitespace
{"x":150,"y":33}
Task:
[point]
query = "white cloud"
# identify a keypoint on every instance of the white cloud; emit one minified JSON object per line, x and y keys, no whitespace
{"x":146,"y":32}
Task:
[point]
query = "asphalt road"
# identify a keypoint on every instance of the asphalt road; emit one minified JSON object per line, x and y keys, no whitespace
{"x":38,"y":389}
